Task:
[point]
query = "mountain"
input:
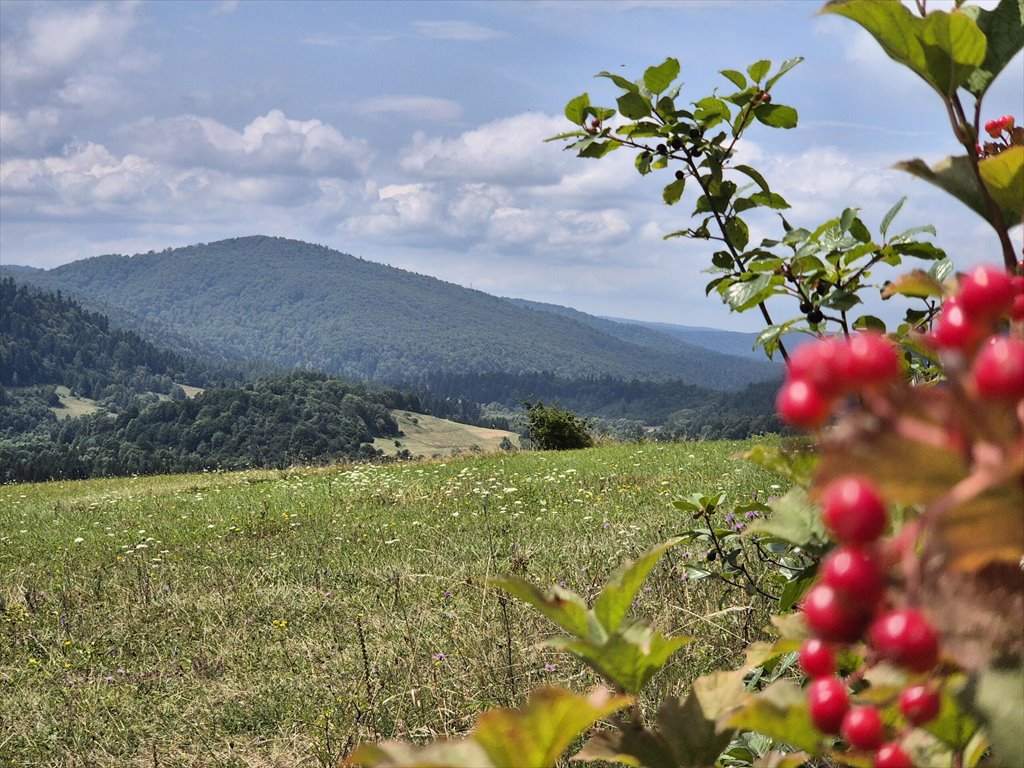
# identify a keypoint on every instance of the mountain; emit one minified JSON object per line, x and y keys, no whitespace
{"x":726,"y":342}
{"x":295,"y":304}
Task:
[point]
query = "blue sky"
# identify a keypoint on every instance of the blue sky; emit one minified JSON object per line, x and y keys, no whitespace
{"x":411,"y":134}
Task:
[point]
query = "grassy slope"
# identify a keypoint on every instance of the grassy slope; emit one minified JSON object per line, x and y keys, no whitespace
{"x":430,"y":437}
{"x":274,"y":618}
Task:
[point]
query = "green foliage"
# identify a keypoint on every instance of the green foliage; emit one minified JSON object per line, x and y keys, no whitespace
{"x":551,"y":428}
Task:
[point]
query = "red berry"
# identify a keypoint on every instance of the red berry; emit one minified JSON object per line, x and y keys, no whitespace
{"x":856,"y":576}
{"x":993,"y":128}
{"x":863,"y":728}
{"x":954,"y":329}
{"x":817,"y":659}
{"x":870,"y":360}
{"x":1007,"y":122}
{"x":985,"y":292}
{"x":854,"y":510}
{"x":1016,"y":310}
{"x":998,"y":370}
{"x":827,"y":702}
{"x":920,"y":704}
{"x":905,"y":637}
{"x":819,"y":364}
{"x":831,"y":617}
{"x":801,"y":405}
{"x":891,"y":755}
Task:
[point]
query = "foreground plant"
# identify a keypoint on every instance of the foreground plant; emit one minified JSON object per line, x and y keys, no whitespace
{"x":901,"y":544}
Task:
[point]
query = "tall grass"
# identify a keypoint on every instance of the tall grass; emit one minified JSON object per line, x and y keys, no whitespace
{"x":277,"y":618}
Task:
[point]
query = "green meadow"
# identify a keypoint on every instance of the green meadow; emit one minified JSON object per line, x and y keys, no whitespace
{"x":277,"y":618}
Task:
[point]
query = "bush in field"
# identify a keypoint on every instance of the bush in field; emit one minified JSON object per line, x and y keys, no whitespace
{"x":555,"y":429}
{"x":895,"y":560}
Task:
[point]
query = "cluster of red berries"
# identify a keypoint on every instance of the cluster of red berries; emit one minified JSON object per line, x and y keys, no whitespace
{"x":846,"y":605}
{"x":966,"y":326}
{"x":822,"y":373}
{"x":995,"y":128}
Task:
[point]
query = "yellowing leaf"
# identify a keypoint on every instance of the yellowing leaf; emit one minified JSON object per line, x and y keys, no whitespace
{"x":1004,"y":177}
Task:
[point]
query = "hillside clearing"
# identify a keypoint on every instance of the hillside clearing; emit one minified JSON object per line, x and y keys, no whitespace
{"x":430,"y":437}
{"x":72,"y":406}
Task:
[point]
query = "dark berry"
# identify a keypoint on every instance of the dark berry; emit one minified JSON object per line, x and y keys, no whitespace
{"x":806,"y":306}
{"x":854,"y":510}
{"x":661,"y":149}
{"x":817,"y":659}
{"x":905,"y":637}
{"x":920,"y":704}
{"x":675,"y":142}
{"x":695,"y":133}
{"x":815,"y":316}
{"x":680,"y":175}
{"x":827,"y":703}
{"x":863,"y":728}
{"x":821,"y":288}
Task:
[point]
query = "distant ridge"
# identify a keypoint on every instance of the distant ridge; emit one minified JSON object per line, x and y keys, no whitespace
{"x":292,"y":303}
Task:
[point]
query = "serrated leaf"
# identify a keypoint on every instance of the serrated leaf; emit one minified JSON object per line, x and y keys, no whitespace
{"x":692,"y":735}
{"x":613,"y":603}
{"x":758,"y":70}
{"x":955,"y":176}
{"x":787,"y":65}
{"x":1004,"y":177}
{"x":637,"y":747}
{"x":633,"y":106}
{"x":890,"y":215}
{"x":737,"y":232}
{"x":464,"y":753}
{"x":776,"y":115}
{"x":1003,"y":28}
{"x":917,"y":284}
{"x":629,"y":658}
{"x":769,"y":337}
{"x":576,"y":109}
{"x":562,"y":606}
{"x":736,"y":78}
{"x":798,"y":466}
{"x":794,"y":519}
{"x":745,"y":294}
{"x":620,"y":81}
{"x":780,"y":712}
{"x":944,"y":49}
{"x":539,"y":732}
{"x":598,"y":149}
{"x":659,"y":78}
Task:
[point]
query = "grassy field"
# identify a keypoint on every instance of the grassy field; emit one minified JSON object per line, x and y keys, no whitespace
{"x":429,"y":437}
{"x":277,"y":618}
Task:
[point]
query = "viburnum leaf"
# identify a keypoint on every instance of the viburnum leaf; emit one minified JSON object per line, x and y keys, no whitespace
{"x":1004,"y":28}
{"x":794,"y":519}
{"x":780,"y":712}
{"x":996,"y":698}
{"x":564,"y":607}
{"x":639,"y":747}
{"x":465,"y":753}
{"x":539,"y":732}
{"x":611,"y":605}
{"x":1004,"y":177}
{"x":916,"y":284}
{"x":692,"y":735}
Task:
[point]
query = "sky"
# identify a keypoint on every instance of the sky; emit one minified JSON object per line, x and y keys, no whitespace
{"x":411,"y":134}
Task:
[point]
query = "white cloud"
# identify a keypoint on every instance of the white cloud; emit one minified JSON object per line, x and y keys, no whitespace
{"x":224,"y":8}
{"x":510,"y":151}
{"x":420,"y":108}
{"x":271,"y":143}
{"x":456,"y":30}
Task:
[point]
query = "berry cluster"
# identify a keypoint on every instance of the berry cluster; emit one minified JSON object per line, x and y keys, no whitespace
{"x":822,"y":373}
{"x":848,"y":604}
{"x":1001,"y":131}
{"x":966,"y":327}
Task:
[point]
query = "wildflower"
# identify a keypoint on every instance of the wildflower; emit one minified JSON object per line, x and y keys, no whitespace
{"x":79,"y":540}
{"x":447,"y":594}
{"x":751,"y":515}
{"x":439,"y":657}
{"x":550,"y":667}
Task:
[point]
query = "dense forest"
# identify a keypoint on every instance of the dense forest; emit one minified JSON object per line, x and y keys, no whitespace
{"x":294,"y":304}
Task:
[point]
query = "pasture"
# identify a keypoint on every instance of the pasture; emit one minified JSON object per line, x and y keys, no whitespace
{"x":278,"y":617}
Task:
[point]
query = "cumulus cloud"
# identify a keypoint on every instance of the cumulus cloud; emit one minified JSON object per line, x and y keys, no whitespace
{"x":509,"y":151}
{"x":271,"y":143}
{"x":420,"y":108}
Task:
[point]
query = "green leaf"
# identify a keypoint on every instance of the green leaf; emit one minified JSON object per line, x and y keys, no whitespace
{"x":776,"y":115}
{"x":567,"y":609}
{"x":917,"y":284}
{"x":737,"y":232}
{"x":769,"y":337}
{"x":1004,"y":177}
{"x":745,"y":294}
{"x":787,"y":65}
{"x":711,"y":111}
{"x":997,"y":698}
{"x":869,"y":323}
{"x":543,"y":729}
{"x":629,"y":658}
{"x":944,"y":49}
{"x":770,"y":200}
{"x":633,"y":105}
{"x":755,"y":175}
{"x":673,"y":191}
{"x":598,"y":149}
{"x":736,"y":78}
{"x":614,"y":601}
{"x":643,"y":162}
{"x":1004,"y":28}
{"x":758,"y":70}
{"x":795,"y":589}
{"x":692,"y":735}
{"x":659,"y":78}
{"x":780,"y":712}
{"x":576,"y":110}
{"x":620,"y":81}
{"x":890,"y":215}
{"x":793,"y":519}
{"x":638,"y":747}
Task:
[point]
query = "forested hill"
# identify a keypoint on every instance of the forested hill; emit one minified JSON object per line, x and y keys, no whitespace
{"x":296,"y":304}
{"x":78,"y":399}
